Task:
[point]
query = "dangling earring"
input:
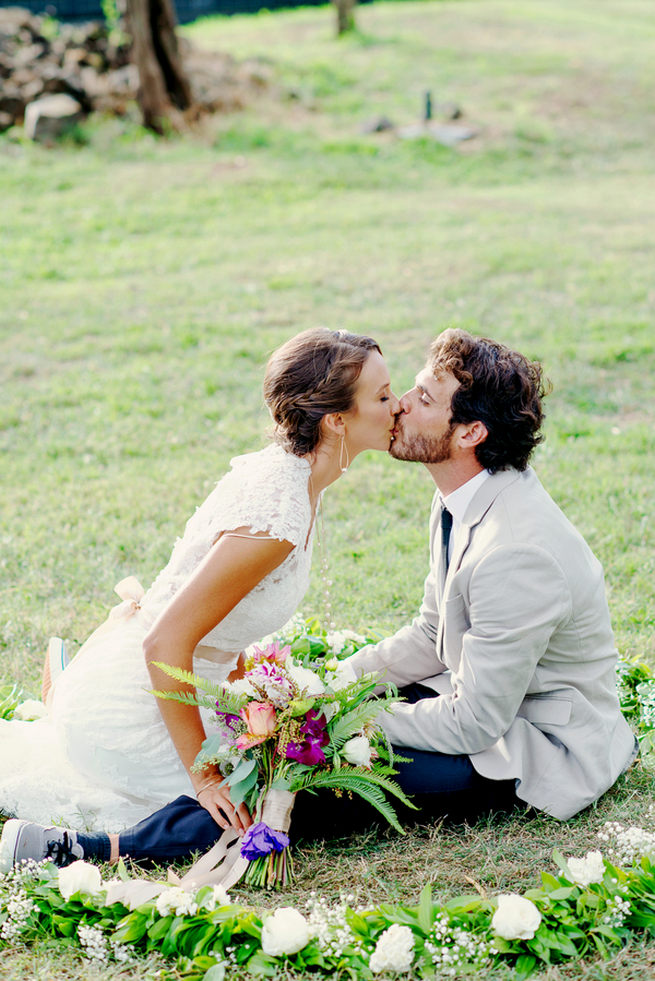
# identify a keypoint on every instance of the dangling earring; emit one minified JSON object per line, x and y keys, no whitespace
{"x":343,"y":454}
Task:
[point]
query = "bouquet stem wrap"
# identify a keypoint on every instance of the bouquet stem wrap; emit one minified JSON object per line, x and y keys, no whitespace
{"x":224,"y":863}
{"x":276,"y":809}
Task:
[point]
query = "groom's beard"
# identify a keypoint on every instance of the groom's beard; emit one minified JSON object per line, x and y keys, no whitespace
{"x":420,"y":448}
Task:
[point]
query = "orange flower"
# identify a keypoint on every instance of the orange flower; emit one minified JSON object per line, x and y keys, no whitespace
{"x":260,"y":720}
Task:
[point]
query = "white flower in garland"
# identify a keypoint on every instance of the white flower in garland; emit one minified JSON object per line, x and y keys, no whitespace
{"x":93,"y":942}
{"x":18,"y":908}
{"x":30,"y":710}
{"x":394,"y":950}
{"x":176,"y":900}
{"x":516,"y":918}
{"x":209,"y":897}
{"x":586,"y":870}
{"x":79,"y":877}
{"x":630,"y":844}
{"x":336,"y":641}
{"x":286,"y":931}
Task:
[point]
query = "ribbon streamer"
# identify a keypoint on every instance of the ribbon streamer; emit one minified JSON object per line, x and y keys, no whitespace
{"x":223,"y":865}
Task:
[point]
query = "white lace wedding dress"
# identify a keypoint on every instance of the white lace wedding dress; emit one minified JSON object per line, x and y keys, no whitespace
{"x":102,"y":758}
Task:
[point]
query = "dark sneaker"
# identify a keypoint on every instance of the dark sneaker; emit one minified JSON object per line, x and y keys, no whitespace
{"x":22,"y":840}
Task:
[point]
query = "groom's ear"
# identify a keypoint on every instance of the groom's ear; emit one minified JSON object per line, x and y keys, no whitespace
{"x":333,"y":424}
{"x":474,"y":433}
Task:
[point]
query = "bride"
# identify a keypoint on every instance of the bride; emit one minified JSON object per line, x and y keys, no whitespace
{"x":108,"y":752}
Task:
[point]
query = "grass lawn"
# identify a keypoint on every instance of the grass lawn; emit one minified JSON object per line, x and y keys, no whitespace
{"x":143,"y":284}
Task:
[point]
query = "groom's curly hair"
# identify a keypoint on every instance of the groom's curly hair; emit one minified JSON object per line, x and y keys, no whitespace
{"x":312,"y":375}
{"x":497,"y":386}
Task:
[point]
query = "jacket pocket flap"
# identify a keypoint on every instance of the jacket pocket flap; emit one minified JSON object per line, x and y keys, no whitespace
{"x":546,"y":710}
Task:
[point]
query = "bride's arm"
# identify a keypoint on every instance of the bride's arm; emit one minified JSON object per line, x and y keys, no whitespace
{"x":232,"y":567}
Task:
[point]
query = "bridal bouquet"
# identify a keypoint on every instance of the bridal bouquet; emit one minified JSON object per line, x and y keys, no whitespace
{"x":285,"y":727}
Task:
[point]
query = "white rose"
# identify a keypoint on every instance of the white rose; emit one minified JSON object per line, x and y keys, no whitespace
{"x":357,"y":751}
{"x":241,"y":686}
{"x":394,"y":950}
{"x":79,"y":877}
{"x":342,"y":676}
{"x":586,"y":870}
{"x":308,"y":682}
{"x":516,"y":917}
{"x":286,"y":931}
{"x":29,"y":710}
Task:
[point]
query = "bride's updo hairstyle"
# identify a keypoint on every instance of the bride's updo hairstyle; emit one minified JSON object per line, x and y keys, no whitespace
{"x":312,"y":375}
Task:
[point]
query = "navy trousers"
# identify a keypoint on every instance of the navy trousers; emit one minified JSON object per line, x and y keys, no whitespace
{"x":440,"y":785}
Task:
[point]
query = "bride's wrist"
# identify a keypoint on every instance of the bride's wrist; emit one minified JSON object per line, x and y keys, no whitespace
{"x":206,"y":780}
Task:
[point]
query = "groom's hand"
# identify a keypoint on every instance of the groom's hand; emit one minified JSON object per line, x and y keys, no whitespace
{"x":215,"y":798}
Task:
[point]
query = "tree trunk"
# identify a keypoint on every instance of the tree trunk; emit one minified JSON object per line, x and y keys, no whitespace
{"x":164,"y":90}
{"x":345,"y":16}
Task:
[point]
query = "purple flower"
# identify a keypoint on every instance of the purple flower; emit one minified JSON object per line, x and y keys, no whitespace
{"x":310,"y":750}
{"x":260,"y":840}
{"x":229,"y":721}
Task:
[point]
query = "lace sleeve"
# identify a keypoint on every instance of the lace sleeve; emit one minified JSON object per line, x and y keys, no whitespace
{"x":264,"y":492}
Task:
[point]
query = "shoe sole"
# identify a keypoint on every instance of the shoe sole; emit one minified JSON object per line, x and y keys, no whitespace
{"x":8,"y":843}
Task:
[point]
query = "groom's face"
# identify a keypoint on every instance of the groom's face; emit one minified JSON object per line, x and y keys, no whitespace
{"x":424,"y":431}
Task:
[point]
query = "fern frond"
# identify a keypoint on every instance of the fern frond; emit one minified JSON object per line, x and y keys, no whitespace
{"x":362,"y":783}
{"x":368,"y":784}
{"x":213,"y":691}
{"x":353,"y":722}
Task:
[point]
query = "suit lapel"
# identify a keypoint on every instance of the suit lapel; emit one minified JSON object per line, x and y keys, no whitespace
{"x":475,"y":512}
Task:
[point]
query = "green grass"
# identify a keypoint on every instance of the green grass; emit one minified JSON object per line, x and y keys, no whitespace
{"x":143,"y":284}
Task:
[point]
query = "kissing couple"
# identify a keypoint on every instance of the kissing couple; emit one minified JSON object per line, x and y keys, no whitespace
{"x":507,"y":671}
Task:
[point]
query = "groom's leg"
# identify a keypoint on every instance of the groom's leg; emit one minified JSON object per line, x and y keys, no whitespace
{"x":172,"y":833}
{"x":445,"y":785}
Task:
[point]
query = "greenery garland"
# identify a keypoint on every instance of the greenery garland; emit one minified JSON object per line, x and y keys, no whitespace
{"x":592,"y":906}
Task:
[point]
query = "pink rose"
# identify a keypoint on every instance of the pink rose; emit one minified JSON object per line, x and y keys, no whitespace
{"x":260,"y":720}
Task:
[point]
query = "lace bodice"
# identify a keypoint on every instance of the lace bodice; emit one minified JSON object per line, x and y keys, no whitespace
{"x":264,"y":491}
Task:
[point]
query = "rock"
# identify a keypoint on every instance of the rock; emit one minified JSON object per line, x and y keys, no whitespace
{"x":47,"y":118}
{"x":80,"y":61}
{"x":12,"y":101}
{"x":448,"y":110}
{"x":6,"y":120}
{"x":380,"y":124}
{"x":446,"y":135}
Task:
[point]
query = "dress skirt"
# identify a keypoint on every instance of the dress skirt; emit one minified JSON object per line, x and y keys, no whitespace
{"x":102,"y":758}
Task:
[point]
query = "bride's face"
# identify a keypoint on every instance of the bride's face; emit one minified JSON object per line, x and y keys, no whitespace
{"x":370,"y":422}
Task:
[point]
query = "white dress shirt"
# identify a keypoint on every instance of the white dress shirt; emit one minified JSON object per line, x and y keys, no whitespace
{"x":458,"y":501}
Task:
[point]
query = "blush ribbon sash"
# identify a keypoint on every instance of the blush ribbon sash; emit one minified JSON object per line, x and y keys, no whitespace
{"x":224,"y":864}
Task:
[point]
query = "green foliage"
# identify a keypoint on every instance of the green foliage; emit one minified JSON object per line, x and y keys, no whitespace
{"x":575,"y":921}
{"x":10,"y":698}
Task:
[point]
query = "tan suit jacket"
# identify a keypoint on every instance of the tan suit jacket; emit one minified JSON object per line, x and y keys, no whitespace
{"x":519,"y":634}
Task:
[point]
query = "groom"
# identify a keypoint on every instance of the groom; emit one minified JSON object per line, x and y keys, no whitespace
{"x":509,"y":667}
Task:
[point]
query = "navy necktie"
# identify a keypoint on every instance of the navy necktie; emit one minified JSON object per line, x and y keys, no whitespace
{"x":446,"y":525}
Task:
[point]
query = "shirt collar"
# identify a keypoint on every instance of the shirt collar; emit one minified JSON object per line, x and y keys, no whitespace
{"x":458,"y":501}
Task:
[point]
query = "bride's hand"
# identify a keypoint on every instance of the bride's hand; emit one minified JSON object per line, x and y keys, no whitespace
{"x":215,"y":798}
